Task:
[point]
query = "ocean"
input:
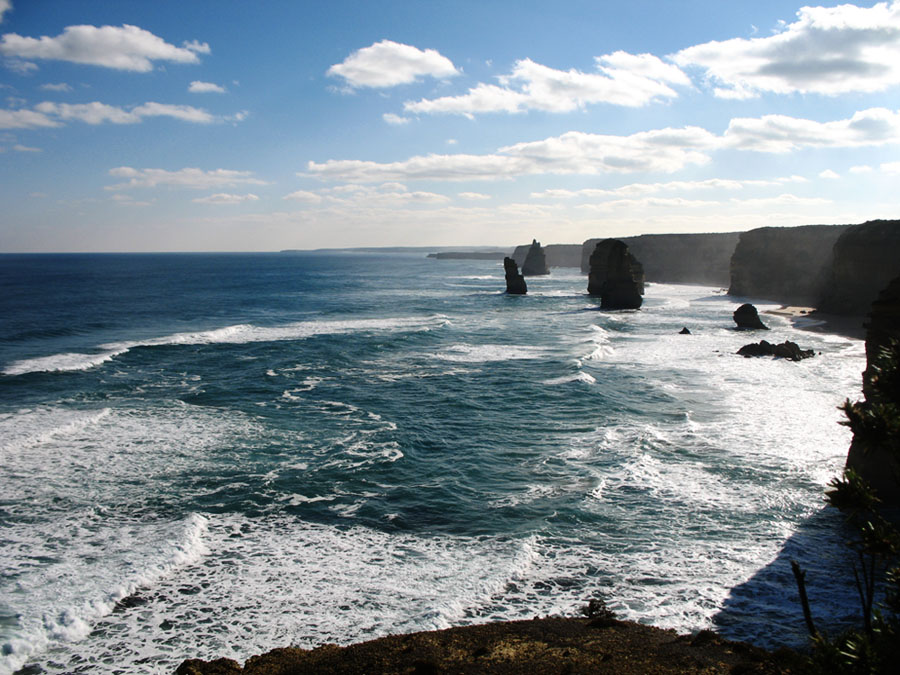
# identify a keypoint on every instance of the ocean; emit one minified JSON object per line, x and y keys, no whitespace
{"x":213,"y":455}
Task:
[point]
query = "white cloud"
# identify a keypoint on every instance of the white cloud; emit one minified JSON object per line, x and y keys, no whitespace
{"x":827,"y":50}
{"x":388,"y":64}
{"x":890,"y":167}
{"x":659,"y":150}
{"x":396,"y":120}
{"x":829,"y":174}
{"x":225,"y":198}
{"x":304,"y":196}
{"x":639,"y":189}
{"x":861,"y":169}
{"x":121,"y":47}
{"x":5,"y":6}
{"x":18,"y":147}
{"x":25,"y":119}
{"x":474,"y":196}
{"x":184,"y":178}
{"x":623,"y":79}
{"x":61,"y":86}
{"x":780,"y":133}
{"x":98,"y":113}
{"x":198,"y":87}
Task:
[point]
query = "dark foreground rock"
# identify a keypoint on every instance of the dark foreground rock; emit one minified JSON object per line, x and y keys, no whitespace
{"x":535,"y":262}
{"x":877,"y":462}
{"x":551,"y":645}
{"x":515,"y":282}
{"x":747,"y":318}
{"x":685,"y":331}
{"x":786,"y":350}
{"x":616,"y":276}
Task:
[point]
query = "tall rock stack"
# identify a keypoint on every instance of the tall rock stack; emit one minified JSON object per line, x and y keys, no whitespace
{"x":616,"y":276}
{"x":515,"y":282}
{"x":875,"y":455}
{"x":535,"y":262}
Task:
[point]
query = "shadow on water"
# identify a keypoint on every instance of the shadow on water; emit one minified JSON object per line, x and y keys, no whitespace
{"x":766,"y":610}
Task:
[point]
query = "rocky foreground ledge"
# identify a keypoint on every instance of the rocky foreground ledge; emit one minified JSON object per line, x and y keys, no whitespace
{"x":550,"y":645}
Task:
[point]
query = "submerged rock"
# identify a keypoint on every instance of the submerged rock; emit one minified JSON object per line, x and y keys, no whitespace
{"x":616,"y":276}
{"x":515,"y":282}
{"x":786,"y":350}
{"x":535,"y":262}
{"x":747,"y":317}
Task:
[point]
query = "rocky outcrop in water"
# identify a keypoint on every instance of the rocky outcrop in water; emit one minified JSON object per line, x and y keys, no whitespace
{"x":747,"y":318}
{"x":786,"y":350}
{"x":866,"y":258}
{"x":515,"y":282}
{"x":677,"y":258}
{"x":535,"y":262}
{"x":787,"y":264}
{"x":556,"y":255}
{"x":877,"y":458}
{"x":616,"y":276}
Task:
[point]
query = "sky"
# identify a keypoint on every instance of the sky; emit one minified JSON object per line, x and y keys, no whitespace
{"x":227,"y":125}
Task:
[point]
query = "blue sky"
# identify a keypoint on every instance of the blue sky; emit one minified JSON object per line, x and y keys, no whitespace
{"x":235,"y":126}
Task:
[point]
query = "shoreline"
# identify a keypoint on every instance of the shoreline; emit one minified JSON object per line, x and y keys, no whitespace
{"x":811,"y":319}
{"x":551,"y":644}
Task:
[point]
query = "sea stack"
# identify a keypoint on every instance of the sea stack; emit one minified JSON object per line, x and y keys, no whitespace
{"x":535,"y":262}
{"x":616,"y":276}
{"x":876,"y":456}
{"x":747,"y":318}
{"x":515,"y":282}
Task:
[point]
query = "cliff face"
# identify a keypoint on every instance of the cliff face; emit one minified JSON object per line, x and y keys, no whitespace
{"x":678,"y":258}
{"x":557,"y":255}
{"x":866,"y":258}
{"x":786,"y":264}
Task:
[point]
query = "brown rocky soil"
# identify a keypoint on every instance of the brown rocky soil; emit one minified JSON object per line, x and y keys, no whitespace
{"x":551,"y":645}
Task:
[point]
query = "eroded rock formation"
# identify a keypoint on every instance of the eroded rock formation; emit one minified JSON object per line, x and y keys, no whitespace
{"x":876,"y":458}
{"x":616,"y":276}
{"x":515,"y":282}
{"x":866,"y":258}
{"x":747,"y":318}
{"x":677,"y":258}
{"x":535,"y":262}
{"x":788,"y":264}
{"x":556,"y":255}
{"x":786,"y":350}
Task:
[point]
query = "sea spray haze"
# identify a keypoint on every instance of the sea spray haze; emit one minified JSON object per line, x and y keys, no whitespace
{"x":215,"y":455}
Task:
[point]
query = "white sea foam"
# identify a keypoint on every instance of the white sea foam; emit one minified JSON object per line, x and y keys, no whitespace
{"x":580,"y":376}
{"x":467,"y":353}
{"x":237,"y":334}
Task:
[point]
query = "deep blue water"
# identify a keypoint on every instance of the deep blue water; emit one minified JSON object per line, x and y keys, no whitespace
{"x":214,"y":455}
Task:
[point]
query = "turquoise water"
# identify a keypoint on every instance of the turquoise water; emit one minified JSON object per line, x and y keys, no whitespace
{"x":216,"y":455}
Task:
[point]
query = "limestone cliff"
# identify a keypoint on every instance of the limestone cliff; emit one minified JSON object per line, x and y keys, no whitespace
{"x":678,"y":258}
{"x":616,"y":276}
{"x":557,"y":255}
{"x":875,"y":456}
{"x":866,"y":258}
{"x":791,"y":265}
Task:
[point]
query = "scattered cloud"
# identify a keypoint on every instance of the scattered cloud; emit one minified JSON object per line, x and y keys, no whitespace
{"x":780,"y":133}
{"x":25,"y":119}
{"x":18,"y":147}
{"x":827,"y":50}
{"x":198,"y":87}
{"x":640,"y":189}
{"x":386,"y":195}
{"x":225,"y":198}
{"x":890,"y":167}
{"x":396,"y":120}
{"x":304,"y":196}
{"x":120,"y":47}
{"x":861,"y":169}
{"x":622,"y":79}
{"x":829,"y":174}
{"x":5,"y":6}
{"x":388,"y":64}
{"x":61,"y":86}
{"x":192,"y":178}
{"x":98,"y":113}
{"x":474,"y":196}
{"x":128,"y":200}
